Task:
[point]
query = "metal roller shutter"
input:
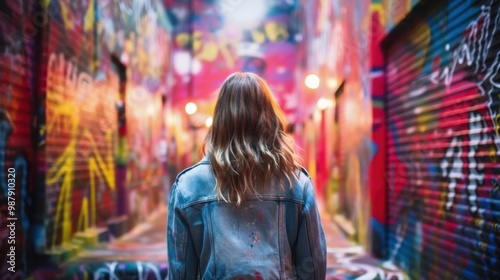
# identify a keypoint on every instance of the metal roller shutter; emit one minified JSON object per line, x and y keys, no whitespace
{"x":16,"y":147}
{"x":80,"y":128}
{"x":443,"y":140}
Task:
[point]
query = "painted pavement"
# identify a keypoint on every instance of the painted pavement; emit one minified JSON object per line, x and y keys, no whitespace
{"x":142,"y":255}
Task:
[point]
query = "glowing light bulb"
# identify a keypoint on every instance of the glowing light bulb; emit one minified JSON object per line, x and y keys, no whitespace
{"x":324,"y":103}
{"x":209,"y":121}
{"x":312,"y":81}
{"x":191,"y":108}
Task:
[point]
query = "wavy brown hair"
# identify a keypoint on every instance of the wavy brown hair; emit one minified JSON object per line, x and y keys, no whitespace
{"x":247,"y":144}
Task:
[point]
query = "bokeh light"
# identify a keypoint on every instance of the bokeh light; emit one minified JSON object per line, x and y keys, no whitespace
{"x":312,"y":81}
{"x":191,"y":108}
{"x":209,"y":121}
{"x":324,"y":103}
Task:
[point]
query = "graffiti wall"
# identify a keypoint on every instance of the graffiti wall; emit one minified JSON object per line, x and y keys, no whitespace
{"x":16,"y":150}
{"x":391,"y":12}
{"x":137,"y":33}
{"x":336,"y":48}
{"x":444,"y":143}
{"x":385,"y":14}
{"x":105,"y":77}
{"x":80,"y":126}
{"x":144,"y":177}
{"x":377,"y":181}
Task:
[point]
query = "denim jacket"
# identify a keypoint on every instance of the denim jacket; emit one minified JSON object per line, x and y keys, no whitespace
{"x":275,"y":236}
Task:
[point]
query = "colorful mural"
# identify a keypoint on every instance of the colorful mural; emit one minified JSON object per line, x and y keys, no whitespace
{"x":391,"y":12}
{"x":76,"y":141}
{"x":16,"y":150}
{"x":377,"y":180}
{"x":144,"y":178}
{"x":444,"y":143}
{"x":104,"y":113}
{"x":385,"y":14}
{"x":138,"y":33}
{"x":336,"y":48}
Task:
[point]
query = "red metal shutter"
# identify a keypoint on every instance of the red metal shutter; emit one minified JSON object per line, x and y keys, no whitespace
{"x":16,"y":146}
{"x":443,"y":141}
{"x":80,"y":128}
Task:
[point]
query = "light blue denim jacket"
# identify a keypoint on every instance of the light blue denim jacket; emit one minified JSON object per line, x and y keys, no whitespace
{"x":276,"y":236}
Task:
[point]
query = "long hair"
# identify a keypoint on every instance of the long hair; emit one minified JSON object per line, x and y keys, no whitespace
{"x":247,"y":144}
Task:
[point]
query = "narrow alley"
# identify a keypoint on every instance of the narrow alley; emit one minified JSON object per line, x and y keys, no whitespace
{"x":393,"y":106}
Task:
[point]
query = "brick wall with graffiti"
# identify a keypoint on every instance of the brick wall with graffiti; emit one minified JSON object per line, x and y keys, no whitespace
{"x":16,"y":149}
{"x":444,"y":142}
{"x":106,"y":65}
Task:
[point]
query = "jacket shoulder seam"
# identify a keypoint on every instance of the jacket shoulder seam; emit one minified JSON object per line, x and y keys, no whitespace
{"x":305,"y":172}
{"x":199,"y":201}
{"x":271,"y":198}
{"x":304,"y":191}
{"x":188,"y":169}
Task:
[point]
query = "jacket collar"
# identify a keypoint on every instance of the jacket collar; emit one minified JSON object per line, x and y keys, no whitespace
{"x":205,"y":158}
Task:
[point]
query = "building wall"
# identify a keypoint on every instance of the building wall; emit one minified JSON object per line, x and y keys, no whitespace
{"x":97,"y":167}
{"x":79,"y":126}
{"x":16,"y":146}
{"x":336,"y":47}
{"x":393,"y":11}
{"x":384,"y":15}
{"x":89,"y":168}
{"x":444,"y":142}
{"x":139,"y":34}
{"x":377,"y":178}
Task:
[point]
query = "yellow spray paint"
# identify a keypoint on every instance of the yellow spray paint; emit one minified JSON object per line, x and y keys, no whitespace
{"x":89,"y":17}
{"x":103,"y":168}
{"x":63,"y":170}
{"x":83,"y":219}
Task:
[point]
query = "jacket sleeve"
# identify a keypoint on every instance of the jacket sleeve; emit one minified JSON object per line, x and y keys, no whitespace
{"x":182,"y":258}
{"x":310,"y":249}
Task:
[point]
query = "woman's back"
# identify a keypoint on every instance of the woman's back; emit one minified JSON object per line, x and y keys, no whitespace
{"x":275,"y":236}
{"x":247,"y":210}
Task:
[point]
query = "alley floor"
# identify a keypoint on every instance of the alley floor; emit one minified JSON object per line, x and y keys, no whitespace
{"x":142,"y":255}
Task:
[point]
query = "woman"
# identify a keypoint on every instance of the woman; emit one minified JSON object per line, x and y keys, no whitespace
{"x":247,"y":210}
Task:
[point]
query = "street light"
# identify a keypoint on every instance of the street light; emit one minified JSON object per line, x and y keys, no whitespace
{"x":191,"y":108}
{"x":209,"y":121}
{"x":312,"y":81}
{"x":324,"y":103}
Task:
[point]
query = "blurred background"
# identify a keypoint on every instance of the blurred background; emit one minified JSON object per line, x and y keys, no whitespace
{"x":393,"y":104}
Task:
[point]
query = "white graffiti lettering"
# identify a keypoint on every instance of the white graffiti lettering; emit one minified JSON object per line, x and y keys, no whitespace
{"x":454,"y":173}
